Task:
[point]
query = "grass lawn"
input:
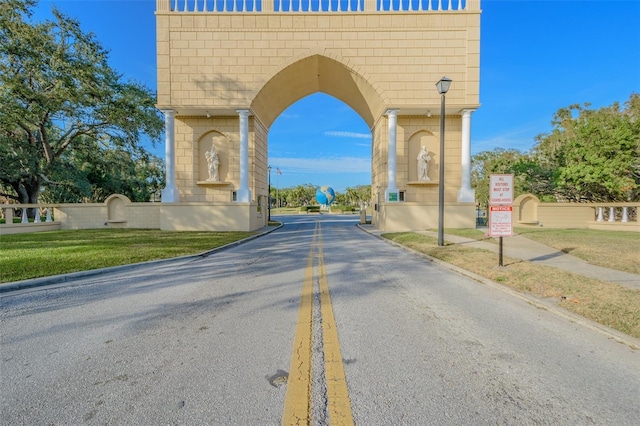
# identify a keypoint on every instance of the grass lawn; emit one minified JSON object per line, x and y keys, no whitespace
{"x":611,"y":249}
{"x":41,"y":254}
{"x":609,"y":304}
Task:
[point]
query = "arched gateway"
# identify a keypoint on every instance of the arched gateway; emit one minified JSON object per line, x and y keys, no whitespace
{"x":228,"y":68}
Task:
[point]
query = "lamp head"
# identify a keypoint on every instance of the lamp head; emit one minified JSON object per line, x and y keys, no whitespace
{"x":443,"y":85}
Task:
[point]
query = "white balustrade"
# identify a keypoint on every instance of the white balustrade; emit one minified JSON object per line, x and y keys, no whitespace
{"x":9,"y":211}
{"x":628,"y":212}
{"x":316,"y":6}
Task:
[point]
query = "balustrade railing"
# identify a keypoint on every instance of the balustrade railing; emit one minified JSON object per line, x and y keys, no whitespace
{"x":316,"y":6}
{"x":620,"y":212}
{"x":38,"y":210}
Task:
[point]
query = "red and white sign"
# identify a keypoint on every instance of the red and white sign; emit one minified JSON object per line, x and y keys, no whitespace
{"x":501,"y":221}
{"x":501,"y":189}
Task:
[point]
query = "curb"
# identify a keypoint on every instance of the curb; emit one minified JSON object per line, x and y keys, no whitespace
{"x":74,"y":276}
{"x":537,"y":302}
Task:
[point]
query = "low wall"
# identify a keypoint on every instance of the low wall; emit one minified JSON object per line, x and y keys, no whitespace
{"x":119,"y":212}
{"x":407,"y":216}
{"x":94,"y":216}
{"x":24,"y":228}
{"x":528,"y":211}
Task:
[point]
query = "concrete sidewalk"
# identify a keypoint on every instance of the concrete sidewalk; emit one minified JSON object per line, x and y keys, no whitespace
{"x":519,"y":247}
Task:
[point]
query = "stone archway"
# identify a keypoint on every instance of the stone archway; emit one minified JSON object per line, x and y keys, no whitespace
{"x":232,"y":72}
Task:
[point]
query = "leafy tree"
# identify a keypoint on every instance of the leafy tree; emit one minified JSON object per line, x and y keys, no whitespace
{"x":59,"y":96}
{"x":590,"y":155}
{"x":594,"y":155}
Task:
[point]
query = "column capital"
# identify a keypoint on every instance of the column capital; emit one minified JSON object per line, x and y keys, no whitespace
{"x":391,"y":111}
{"x":243,"y":112}
{"x":167,"y":112}
{"x":468,"y":111}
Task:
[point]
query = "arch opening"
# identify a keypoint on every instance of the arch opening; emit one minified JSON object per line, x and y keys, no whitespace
{"x":322,"y":141}
{"x":312,"y":74}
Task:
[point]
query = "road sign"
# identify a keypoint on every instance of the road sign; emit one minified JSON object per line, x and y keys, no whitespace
{"x":501,"y":189}
{"x":501,"y":221}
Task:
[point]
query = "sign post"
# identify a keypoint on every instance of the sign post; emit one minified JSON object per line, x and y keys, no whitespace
{"x":501,"y":210}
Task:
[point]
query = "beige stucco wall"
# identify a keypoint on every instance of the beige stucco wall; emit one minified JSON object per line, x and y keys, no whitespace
{"x":528,"y":211}
{"x":209,"y":217}
{"x":221,"y":62}
{"x":400,"y":217}
{"x":116,"y":212}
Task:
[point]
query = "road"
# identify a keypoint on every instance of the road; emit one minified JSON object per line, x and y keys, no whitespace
{"x":317,"y":322}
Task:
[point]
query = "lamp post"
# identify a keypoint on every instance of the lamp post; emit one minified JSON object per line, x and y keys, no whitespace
{"x":443,"y":87}
{"x":269,"y":196}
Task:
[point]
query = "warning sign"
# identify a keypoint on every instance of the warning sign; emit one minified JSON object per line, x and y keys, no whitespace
{"x":501,"y":221}
{"x":501,"y":189}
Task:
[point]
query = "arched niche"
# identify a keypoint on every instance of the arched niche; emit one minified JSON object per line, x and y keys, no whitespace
{"x":116,"y":208}
{"x":527,"y":208}
{"x":221,"y":143}
{"x":416,"y":142}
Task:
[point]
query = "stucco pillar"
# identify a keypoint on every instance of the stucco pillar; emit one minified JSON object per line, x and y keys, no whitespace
{"x":170,"y":192}
{"x":465,"y":193}
{"x":391,"y":193}
{"x":243,"y":194}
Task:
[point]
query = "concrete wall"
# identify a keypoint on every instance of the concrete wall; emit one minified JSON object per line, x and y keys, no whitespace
{"x":400,"y":217}
{"x":529,"y":211}
{"x":208,"y":217}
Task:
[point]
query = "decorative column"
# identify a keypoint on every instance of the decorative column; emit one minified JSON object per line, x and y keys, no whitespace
{"x":391,"y":193}
{"x":170,"y":192}
{"x":243,"y":194}
{"x":465,"y":193}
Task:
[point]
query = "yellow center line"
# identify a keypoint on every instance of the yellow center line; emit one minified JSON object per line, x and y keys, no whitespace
{"x":339,"y":404}
{"x":297,"y":405}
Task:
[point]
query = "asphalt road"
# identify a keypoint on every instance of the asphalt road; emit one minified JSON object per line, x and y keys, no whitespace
{"x":224,"y":339}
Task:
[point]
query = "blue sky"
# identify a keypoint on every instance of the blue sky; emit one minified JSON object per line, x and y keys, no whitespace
{"x":536,"y":57}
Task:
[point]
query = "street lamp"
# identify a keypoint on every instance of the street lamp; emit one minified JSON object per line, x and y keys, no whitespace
{"x":443,"y":87}
{"x":269,"y":196}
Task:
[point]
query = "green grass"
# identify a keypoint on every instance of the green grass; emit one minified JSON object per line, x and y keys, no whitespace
{"x":611,"y":249}
{"x":610,"y":304}
{"x":40,"y":254}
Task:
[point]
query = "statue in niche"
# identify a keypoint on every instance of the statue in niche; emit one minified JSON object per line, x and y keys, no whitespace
{"x":423,"y":164}
{"x":212,"y":162}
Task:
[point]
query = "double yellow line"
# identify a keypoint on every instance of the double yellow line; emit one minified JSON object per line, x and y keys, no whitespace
{"x":297,"y":404}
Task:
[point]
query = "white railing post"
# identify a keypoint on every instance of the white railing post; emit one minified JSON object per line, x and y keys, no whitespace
{"x":25,"y":218}
{"x":612,"y":214}
{"x":48,"y":218}
{"x":625,"y":214}
{"x":600,"y":218}
{"x":36,"y":215}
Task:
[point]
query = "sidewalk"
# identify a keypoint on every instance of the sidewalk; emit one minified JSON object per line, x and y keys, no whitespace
{"x":519,"y":247}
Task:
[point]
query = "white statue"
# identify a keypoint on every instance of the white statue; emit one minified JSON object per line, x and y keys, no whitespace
{"x":212,"y":161}
{"x":423,"y":164}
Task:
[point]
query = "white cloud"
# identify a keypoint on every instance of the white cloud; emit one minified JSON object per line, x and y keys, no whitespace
{"x":322,"y":165}
{"x":341,"y":134}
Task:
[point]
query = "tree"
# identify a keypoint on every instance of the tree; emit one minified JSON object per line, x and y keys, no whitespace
{"x":594,"y":154}
{"x":58,"y":96}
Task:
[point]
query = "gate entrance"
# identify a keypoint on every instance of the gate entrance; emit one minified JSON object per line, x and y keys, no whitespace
{"x":227,"y":69}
